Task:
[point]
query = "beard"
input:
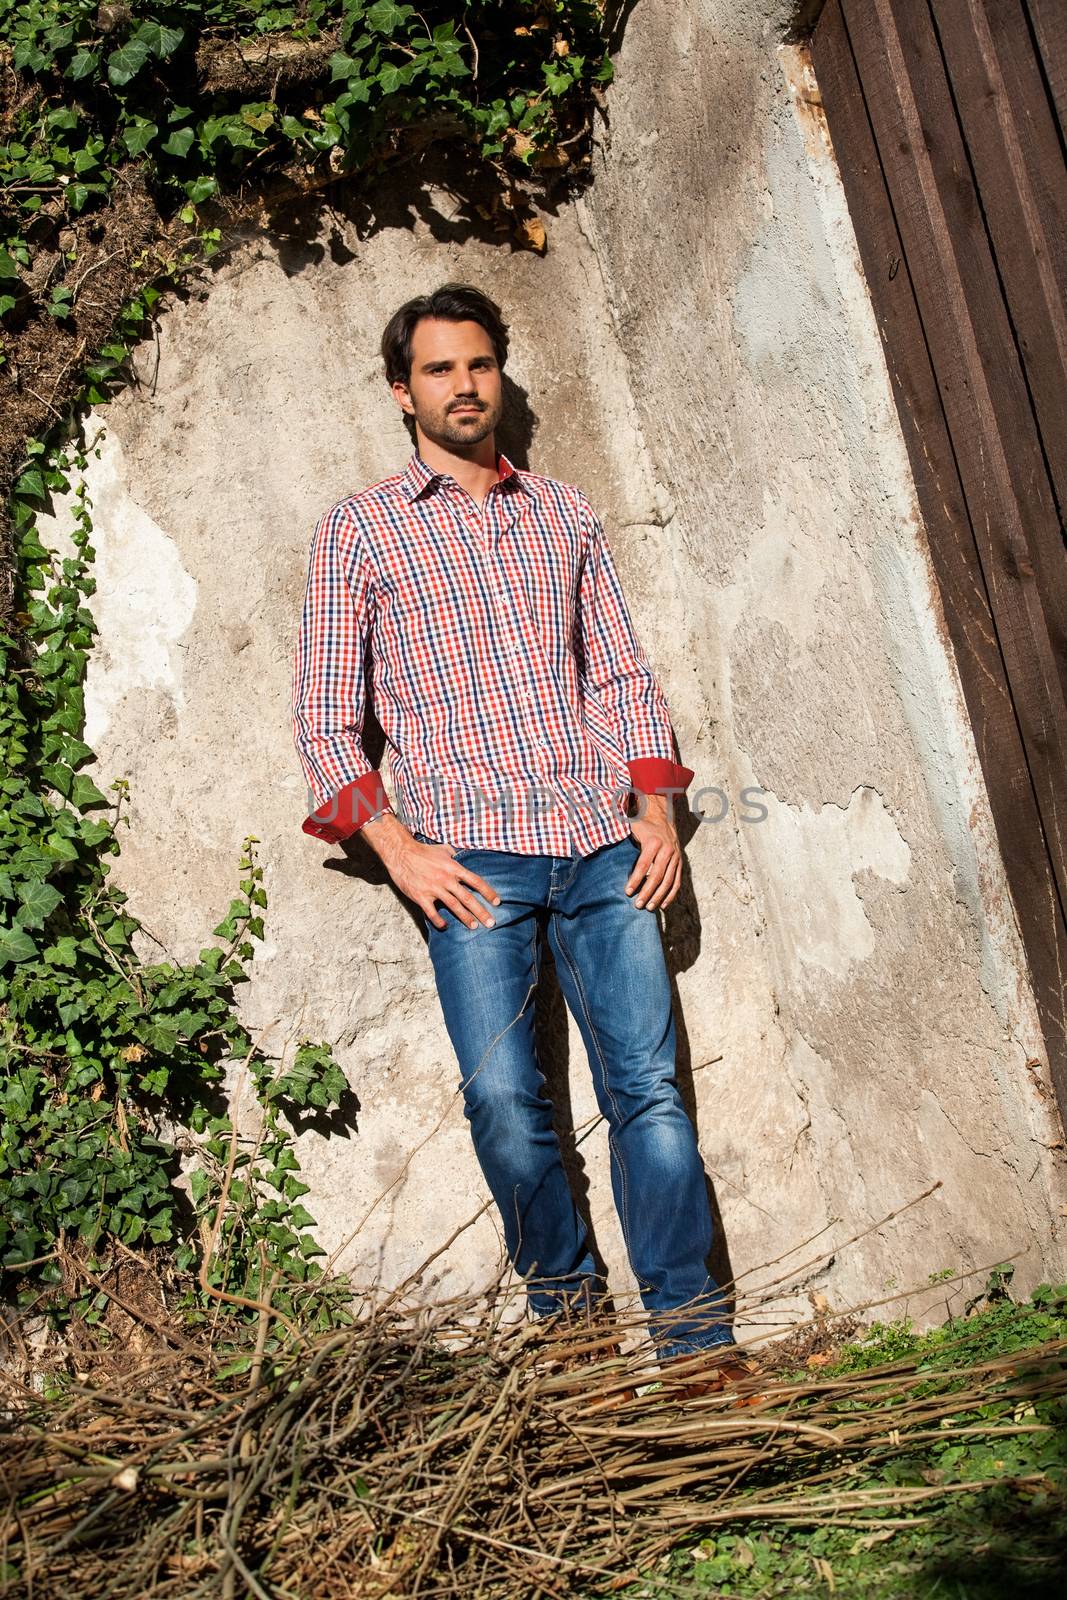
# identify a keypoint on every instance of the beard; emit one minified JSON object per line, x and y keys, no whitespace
{"x":443,"y":427}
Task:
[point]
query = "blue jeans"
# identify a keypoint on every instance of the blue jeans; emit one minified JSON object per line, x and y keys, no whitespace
{"x":611,"y":968}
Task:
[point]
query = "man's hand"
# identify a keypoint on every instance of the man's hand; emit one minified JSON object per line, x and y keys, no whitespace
{"x":429,"y":872}
{"x":657,"y":874}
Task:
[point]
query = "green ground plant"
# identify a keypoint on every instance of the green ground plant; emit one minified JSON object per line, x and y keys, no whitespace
{"x":1007,"y":1538}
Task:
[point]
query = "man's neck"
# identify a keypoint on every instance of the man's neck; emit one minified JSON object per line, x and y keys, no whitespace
{"x":475,"y":470}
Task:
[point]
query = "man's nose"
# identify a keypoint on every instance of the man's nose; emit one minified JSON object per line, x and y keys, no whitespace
{"x":465,"y":381}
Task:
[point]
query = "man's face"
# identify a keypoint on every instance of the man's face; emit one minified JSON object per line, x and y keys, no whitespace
{"x":455,"y":391}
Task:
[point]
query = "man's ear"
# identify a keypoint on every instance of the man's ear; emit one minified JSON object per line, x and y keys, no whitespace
{"x":402,"y":396}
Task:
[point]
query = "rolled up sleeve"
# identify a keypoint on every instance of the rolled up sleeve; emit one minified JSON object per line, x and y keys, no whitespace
{"x":329,"y":681}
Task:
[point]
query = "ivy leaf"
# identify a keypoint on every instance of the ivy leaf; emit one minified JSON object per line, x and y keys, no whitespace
{"x":126,"y":62}
{"x":82,"y":64}
{"x":16,"y":945}
{"x":62,"y":302}
{"x":139,"y":135}
{"x":76,"y":751}
{"x":393,"y":78}
{"x":61,"y":778}
{"x":162,"y":1040}
{"x":179,"y":142}
{"x":94,"y":832}
{"x":31,"y":483}
{"x":64,"y":953}
{"x":27,"y":54}
{"x":158,"y":38}
{"x":30,"y":805}
{"x":85,"y":795}
{"x":39,"y":900}
{"x":61,"y":848}
{"x":385,"y":16}
{"x":199,"y":189}
{"x":24,"y":1246}
{"x":234,"y":917}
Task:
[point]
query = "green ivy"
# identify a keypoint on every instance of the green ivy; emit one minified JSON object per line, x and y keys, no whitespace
{"x":101,"y":1050}
{"x":121,"y":83}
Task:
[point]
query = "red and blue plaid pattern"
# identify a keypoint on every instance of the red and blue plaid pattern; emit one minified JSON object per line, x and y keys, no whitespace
{"x":518,"y":707}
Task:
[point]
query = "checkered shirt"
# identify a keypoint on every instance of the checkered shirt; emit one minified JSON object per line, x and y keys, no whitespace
{"x":518,"y":707}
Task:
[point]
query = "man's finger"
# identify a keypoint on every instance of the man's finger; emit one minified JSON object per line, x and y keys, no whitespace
{"x":465,"y":910}
{"x":486,"y":890}
{"x":653,"y":879}
{"x":466,"y":896}
{"x":672,"y":893}
{"x":667,"y":887}
{"x":643,"y":862}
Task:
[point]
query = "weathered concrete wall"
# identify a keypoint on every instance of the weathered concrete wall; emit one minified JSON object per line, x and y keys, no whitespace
{"x":890,"y":1036}
{"x":699,"y":353}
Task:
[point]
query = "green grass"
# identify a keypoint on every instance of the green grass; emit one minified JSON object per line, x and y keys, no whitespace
{"x":1005,"y":1541}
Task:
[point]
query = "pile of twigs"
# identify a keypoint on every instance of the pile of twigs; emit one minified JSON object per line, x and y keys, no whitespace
{"x":452,"y":1452}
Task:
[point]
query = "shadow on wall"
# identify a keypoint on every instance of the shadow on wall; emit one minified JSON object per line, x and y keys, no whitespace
{"x":484,"y":208}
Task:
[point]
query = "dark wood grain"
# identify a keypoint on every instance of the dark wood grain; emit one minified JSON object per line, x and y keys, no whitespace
{"x":896,"y":162}
{"x":1049,"y":28}
{"x":1013,"y":144}
{"x":979,"y":376}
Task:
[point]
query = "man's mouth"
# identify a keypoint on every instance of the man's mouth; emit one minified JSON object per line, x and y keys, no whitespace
{"x":462,"y":410}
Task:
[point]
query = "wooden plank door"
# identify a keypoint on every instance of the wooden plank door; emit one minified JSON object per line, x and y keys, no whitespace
{"x":947,"y":119}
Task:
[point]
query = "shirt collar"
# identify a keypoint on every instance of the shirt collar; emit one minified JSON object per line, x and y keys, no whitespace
{"x":417,"y":476}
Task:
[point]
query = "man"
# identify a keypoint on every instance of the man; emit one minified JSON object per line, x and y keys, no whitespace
{"x":520,"y":711}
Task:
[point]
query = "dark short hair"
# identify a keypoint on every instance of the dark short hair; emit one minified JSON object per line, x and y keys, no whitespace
{"x":452,"y":302}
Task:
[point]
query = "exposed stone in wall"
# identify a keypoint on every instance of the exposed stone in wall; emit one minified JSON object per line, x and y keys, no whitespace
{"x":697,"y":351}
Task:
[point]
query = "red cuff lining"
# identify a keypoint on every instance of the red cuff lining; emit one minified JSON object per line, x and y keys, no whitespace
{"x":346,"y":812}
{"x":651,"y":774}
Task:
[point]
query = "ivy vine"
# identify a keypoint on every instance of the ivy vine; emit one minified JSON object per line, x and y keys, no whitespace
{"x":102,"y":1051}
{"x":119,"y":124}
{"x":203,"y":95}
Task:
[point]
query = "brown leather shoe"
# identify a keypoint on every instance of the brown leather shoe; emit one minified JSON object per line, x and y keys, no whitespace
{"x":576,"y":1357}
{"x":714,"y":1375}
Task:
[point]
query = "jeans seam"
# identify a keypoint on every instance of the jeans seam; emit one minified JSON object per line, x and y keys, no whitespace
{"x":612,"y":1141}
{"x":537,"y":1066}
